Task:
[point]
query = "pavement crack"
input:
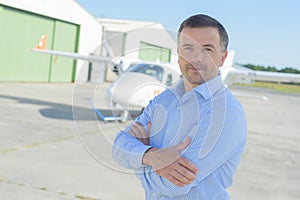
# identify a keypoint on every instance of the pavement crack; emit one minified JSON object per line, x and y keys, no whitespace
{"x":85,"y":198}
{"x":36,"y":144}
{"x":45,"y":189}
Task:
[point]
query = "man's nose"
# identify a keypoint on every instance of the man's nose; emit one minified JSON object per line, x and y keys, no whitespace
{"x":197,"y":56}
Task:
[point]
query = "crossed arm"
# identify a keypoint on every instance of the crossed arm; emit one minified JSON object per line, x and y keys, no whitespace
{"x":166,"y":162}
{"x":171,"y":169}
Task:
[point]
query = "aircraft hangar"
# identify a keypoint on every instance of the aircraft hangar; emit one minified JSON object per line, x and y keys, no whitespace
{"x":143,"y":40}
{"x":68,"y":27}
{"x":146,"y":40}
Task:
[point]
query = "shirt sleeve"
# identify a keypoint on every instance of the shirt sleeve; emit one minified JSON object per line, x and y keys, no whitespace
{"x":128,"y":151}
{"x":223,"y":158}
{"x":226,"y":150}
{"x":225,"y":172}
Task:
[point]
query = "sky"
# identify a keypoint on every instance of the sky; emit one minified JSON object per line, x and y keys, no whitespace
{"x":262,"y":32}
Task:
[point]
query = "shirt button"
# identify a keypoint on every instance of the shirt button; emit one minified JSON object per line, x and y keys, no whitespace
{"x":122,"y":155}
{"x":178,"y":107}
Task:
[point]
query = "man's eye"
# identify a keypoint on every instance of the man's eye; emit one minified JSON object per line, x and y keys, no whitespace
{"x":208,"y":49}
{"x":188,"y":48}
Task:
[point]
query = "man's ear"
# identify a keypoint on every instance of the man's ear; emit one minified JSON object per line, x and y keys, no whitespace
{"x":224,"y":55}
{"x":178,"y":54}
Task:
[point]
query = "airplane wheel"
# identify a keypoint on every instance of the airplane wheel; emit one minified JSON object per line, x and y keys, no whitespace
{"x":124,"y":115}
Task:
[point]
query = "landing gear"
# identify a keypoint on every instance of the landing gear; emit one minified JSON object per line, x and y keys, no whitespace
{"x":124,"y":116}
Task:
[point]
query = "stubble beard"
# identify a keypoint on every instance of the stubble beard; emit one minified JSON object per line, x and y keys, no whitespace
{"x":194,"y":79}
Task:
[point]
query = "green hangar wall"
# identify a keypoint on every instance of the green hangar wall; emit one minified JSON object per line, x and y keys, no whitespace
{"x":20,"y":31}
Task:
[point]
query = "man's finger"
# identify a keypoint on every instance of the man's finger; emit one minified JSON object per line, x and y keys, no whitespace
{"x":180,"y":177}
{"x":187,"y":173}
{"x":188,"y":165}
{"x":183,"y":144}
{"x":135,"y":131}
{"x":175,"y":181}
{"x":149,"y":129}
{"x":132,"y":133}
{"x":141,"y":129}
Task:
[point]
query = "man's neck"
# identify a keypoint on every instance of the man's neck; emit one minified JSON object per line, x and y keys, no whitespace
{"x":188,"y":86}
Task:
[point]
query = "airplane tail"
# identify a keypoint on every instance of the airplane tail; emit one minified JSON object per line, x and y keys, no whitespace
{"x":228,"y":64}
{"x":43,"y":42}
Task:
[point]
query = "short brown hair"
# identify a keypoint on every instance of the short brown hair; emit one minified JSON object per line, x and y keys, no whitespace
{"x":203,"y":21}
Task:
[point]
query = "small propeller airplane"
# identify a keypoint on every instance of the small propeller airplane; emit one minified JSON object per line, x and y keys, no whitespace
{"x":141,"y":81}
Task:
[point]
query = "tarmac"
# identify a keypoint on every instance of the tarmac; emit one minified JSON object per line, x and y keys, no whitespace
{"x":52,"y":145}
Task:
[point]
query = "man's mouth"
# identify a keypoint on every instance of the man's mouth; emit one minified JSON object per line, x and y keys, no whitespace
{"x":194,"y":69}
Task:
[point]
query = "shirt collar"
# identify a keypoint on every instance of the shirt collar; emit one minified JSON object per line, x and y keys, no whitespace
{"x":206,"y":90}
{"x":179,"y":89}
{"x":210,"y":88}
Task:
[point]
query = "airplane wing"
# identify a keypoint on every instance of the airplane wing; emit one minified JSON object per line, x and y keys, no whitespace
{"x":265,"y":76}
{"x":227,"y":70}
{"x":41,"y":48}
{"x":91,"y":58}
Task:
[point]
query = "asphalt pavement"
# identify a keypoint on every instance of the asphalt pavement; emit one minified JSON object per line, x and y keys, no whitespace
{"x":53,"y":146}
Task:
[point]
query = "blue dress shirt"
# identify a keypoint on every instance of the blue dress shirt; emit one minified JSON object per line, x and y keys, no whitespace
{"x":215,"y":121}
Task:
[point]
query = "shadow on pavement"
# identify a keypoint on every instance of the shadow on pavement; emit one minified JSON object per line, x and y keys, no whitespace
{"x":68,"y":112}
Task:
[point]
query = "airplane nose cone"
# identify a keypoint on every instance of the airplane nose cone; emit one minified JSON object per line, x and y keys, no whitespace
{"x":135,"y":89}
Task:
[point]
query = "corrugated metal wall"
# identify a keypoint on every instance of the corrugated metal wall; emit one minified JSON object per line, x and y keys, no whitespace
{"x":149,"y":52}
{"x":20,"y":31}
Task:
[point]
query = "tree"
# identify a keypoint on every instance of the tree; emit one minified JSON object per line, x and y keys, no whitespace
{"x":271,"y":69}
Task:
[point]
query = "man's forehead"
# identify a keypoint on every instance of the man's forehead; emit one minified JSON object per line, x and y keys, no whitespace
{"x":199,"y":36}
{"x":186,"y":40}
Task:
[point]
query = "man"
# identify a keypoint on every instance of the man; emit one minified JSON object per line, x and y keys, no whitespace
{"x":189,"y":140}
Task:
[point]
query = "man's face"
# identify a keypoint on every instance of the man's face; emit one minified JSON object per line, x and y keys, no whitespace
{"x":199,"y":54}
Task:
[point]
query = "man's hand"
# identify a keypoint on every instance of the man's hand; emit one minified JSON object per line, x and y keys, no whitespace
{"x":168,"y":163}
{"x":139,"y":132}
